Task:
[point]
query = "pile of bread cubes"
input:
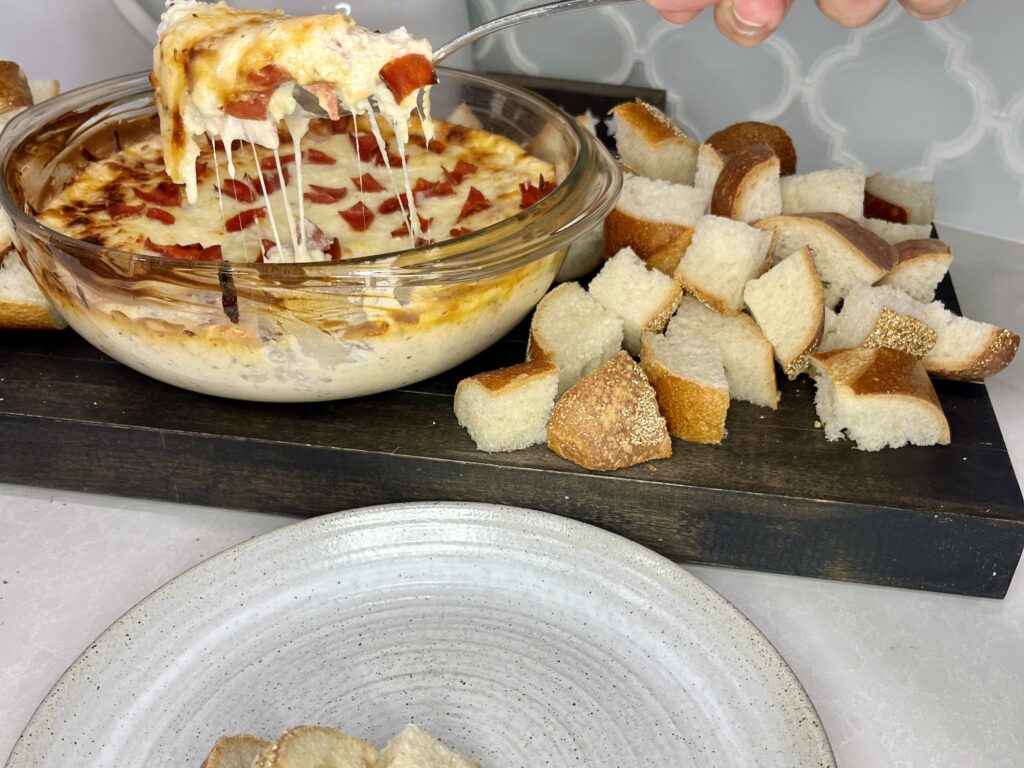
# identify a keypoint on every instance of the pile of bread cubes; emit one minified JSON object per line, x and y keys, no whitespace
{"x":719,"y":262}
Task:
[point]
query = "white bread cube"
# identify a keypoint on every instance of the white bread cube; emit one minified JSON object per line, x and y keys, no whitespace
{"x":571,"y":329}
{"x":652,"y":144}
{"x":643,"y":299}
{"x":239,"y":751}
{"x":920,"y":267}
{"x":840,"y":190}
{"x":878,"y":398}
{"x":688,"y":375}
{"x":897,"y":233}
{"x":508,"y":409}
{"x":900,"y":200}
{"x":746,"y":353}
{"x":709,"y":167}
{"x":788,"y":303}
{"x":967,"y":350}
{"x":748,"y":187}
{"x":723,"y":256}
{"x":884,"y":317}
{"x":314,"y":745}
{"x":412,"y":747}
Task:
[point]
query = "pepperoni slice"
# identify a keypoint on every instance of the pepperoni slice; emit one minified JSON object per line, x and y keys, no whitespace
{"x":201,"y":166}
{"x":165,"y":193}
{"x":459,"y":231}
{"x":461,"y":171}
{"x":402,"y":231}
{"x":367,"y":183}
{"x":359,"y":217}
{"x":270,"y":180}
{"x":192,"y":252}
{"x":270,"y":164}
{"x":253,"y":107}
{"x":160,"y":215}
{"x":327,"y":95}
{"x":239,"y":190}
{"x":120,"y":210}
{"x":245,"y":219}
{"x":325,"y":195}
{"x":342,"y":125}
{"x":407,"y":74}
{"x":317,"y":157}
{"x":334,"y":249}
{"x":425,"y":188}
{"x":531,"y":193}
{"x":269,"y":76}
{"x":475,"y":202}
{"x":366,"y":146}
{"x":392,"y":204}
{"x":435,"y":146}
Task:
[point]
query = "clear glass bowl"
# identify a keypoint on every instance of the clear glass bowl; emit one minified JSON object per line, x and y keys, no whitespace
{"x":298,"y":332}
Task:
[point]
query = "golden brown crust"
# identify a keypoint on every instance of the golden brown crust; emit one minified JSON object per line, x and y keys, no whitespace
{"x":994,"y":356}
{"x":876,"y":207}
{"x":646,"y":238}
{"x":741,"y":136}
{"x":234,"y":751}
{"x":297,"y":746}
{"x":865,"y":242}
{"x":650,"y":123}
{"x":909,"y":250}
{"x":610,"y":419}
{"x":692,"y":411}
{"x":15,"y":92}
{"x":28,"y":317}
{"x":513,"y":375}
{"x":879,"y":371}
{"x":901,"y":332}
{"x":666,"y":259}
{"x":742,"y":170}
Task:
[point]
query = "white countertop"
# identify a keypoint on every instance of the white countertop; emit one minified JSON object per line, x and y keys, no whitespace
{"x":899,"y":678}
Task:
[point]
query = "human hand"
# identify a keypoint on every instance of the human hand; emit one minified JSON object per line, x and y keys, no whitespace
{"x":749,"y":22}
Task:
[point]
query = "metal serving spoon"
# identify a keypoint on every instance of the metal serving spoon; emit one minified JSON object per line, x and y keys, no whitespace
{"x":309,"y":103}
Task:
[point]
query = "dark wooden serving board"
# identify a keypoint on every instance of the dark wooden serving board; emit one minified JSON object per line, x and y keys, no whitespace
{"x":775,"y":496}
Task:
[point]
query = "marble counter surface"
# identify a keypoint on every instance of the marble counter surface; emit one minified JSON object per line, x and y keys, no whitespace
{"x":900,"y":678}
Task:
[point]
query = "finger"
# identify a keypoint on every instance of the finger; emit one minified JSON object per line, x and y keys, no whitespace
{"x":851,"y":13}
{"x":680,"y":11}
{"x":926,"y":10}
{"x":749,"y":22}
{"x":680,"y":17}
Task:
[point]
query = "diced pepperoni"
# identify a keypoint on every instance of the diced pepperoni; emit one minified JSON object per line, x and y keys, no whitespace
{"x":165,"y":193}
{"x":269,"y":76}
{"x":160,"y":214}
{"x":313,"y":236}
{"x":270,"y":180}
{"x":119,"y":210}
{"x":213,"y":253}
{"x":325,"y":195}
{"x":435,"y":146}
{"x":270,"y":163}
{"x":239,"y":190}
{"x":192,"y":252}
{"x":475,"y":202}
{"x":393,"y":160}
{"x":459,"y":231}
{"x":327,"y":95}
{"x":531,"y":193}
{"x":392,"y":204}
{"x":367,"y":183}
{"x":342,"y":125}
{"x":425,"y":188}
{"x":317,"y":157}
{"x":407,"y":74}
{"x":201,"y":167}
{"x":461,"y":171}
{"x":366,"y":146}
{"x":359,"y":217}
{"x":266,"y":245}
{"x":334,"y":249}
{"x":245,"y":219}
{"x":253,"y":107}
{"x":457,"y":134}
{"x":424,"y":227}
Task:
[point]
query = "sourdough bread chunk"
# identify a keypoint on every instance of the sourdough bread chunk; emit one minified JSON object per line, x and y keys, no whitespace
{"x":884,"y":317}
{"x":649,"y":142}
{"x":897,"y":233}
{"x":652,"y":214}
{"x":741,"y":136}
{"x":309,"y":745}
{"x":788,"y":304}
{"x":746,"y":353}
{"x":412,"y":747}
{"x":878,"y":398}
{"x":644,"y":299}
{"x":688,"y":376}
{"x":583,"y":257}
{"x":723,"y":256}
{"x":748,"y":188}
{"x":571,"y":329}
{"x":508,"y":409}
{"x":22,"y":305}
{"x":899,"y":200}
{"x":235,"y":752}
{"x":967,"y":350}
{"x":834,"y":191}
{"x":709,"y":167}
{"x":610,"y":419}
{"x":920,"y":267}
{"x":845,"y":253}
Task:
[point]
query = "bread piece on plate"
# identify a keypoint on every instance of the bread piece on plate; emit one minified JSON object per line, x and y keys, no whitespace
{"x":22,"y":305}
{"x":723,"y":256}
{"x":899,"y":200}
{"x":571,"y":329}
{"x":652,"y":144}
{"x":920,"y":267}
{"x":788,"y":304}
{"x":508,"y":409}
{"x":746,"y":353}
{"x":610,"y":419}
{"x":584,"y":256}
{"x":238,"y":751}
{"x":309,"y":745}
{"x":897,"y":233}
{"x":651,"y":215}
{"x":884,"y":317}
{"x":748,"y":189}
{"x":412,"y":747}
{"x":644,"y":299}
{"x":840,"y":190}
{"x":845,"y":253}
{"x":688,"y":376}
{"x":741,"y":136}
{"x":878,"y":398}
{"x":967,"y":350}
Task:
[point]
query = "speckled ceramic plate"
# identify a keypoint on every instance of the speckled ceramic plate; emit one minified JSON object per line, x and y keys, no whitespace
{"x":522,"y":639}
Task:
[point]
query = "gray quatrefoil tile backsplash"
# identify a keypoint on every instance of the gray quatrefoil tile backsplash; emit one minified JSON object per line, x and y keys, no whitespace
{"x":940,"y":101}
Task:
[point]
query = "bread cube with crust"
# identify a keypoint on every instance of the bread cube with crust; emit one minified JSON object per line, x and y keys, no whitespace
{"x":652,"y":144}
{"x":239,"y":751}
{"x":838,"y":190}
{"x":920,"y":267}
{"x":748,"y":188}
{"x":881,"y":316}
{"x":895,"y":233}
{"x":315,"y":745}
{"x":899,"y":200}
{"x":412,"y":747}
{"x":508,"y":409}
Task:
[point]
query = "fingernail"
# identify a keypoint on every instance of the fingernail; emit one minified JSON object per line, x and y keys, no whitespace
{"x":744,"y":26}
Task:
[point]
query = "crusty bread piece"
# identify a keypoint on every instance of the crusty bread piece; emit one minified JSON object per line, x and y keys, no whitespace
{"x":508,"y":409}
{"x":898,"y":200}
{"x":723,"y":256}
{"x":644,"y":299}
{"x":740,"y":136}
{"x":610,"y":419}
{"x":666,"y":258}
{"x":840,"y":190}
{"x":688,"y":376}
{"x":15,"y":91}
{"x":845,"y":253}
{"x":571,"y":329}
{"x":789,"y":305}
{"x":967,"y":350}
{"x":463,"y":115}
{"x":748,"y":188}
{"x":652,"y":214}
{"x":709,"y":167}
{"x":878,"y":398}
{"x":746,"y":353}
{"x":309,"y":745}
{"x":239,"y":751}
{"x":897,"y":233}
{"x":22,"y":305}
{"x":652,"y":144}
{"x":412,"y":747}
{"x":920,"y":267}
{"x":584,"y":256}
{"x":881,"y":316}
{"x":43,"y":90}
